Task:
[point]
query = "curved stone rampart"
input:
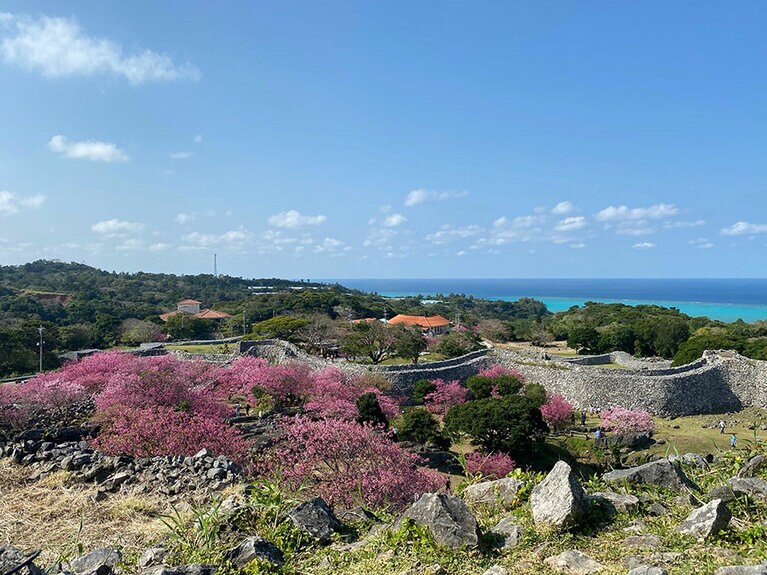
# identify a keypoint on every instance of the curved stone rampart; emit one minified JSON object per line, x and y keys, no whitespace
{"x":719,"y":381}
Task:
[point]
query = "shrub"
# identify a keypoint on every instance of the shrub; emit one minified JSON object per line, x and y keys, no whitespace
{"x":490,"y":465}
{"x":536,"y":392}
{"x":556,"y":411}
{"x":508,"y":424}
{"x":343,"y":460}
{"x":159,"y":430}
{"x":620,"y":420}
{"x":421,"y":389}
{"x":480,"y":386}
{"x":446,"y":395}
{"x":420,"y":426}
{"x":369,"y":410}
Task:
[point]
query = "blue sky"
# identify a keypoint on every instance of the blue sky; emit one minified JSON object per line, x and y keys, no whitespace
{"x":386,"y":139}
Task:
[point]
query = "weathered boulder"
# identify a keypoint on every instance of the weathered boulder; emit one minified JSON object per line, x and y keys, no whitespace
{"x":191,"y":569}
{"x":496,"y":570}
{"x":508,"y":531}
{"x":12,"y":558}
{"x":447,"y":518}
{"x":98,"y":562}
{"x":638,"y":440}
{"x":152,"y":556}
{"x":620,"y":502}
{"x":752,"y":466}
{"x":647,"y":570}
{"x":559,"y":500}
{"x":662,"y":473}
{"x":572,"y":561}
{"x":502,"y":490}
{"x":689,"y":459}
{"x":707,"y":520}
{"x":254,"y":548}
{"x":751,"y":486}
{"x":316,"y":518}
{"x":743,"y":570}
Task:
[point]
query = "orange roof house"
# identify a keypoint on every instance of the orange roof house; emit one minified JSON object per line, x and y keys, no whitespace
{"x":192,"y":307}
{"x":433,"y":324}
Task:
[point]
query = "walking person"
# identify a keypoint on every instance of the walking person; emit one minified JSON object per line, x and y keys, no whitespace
{"x":583,"y":418}
{"x":722,"y":425}
{"x":732,"y":441}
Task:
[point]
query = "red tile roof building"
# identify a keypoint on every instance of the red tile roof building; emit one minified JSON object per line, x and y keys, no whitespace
{"x":433,"y":324}
{"x":192,"y":307}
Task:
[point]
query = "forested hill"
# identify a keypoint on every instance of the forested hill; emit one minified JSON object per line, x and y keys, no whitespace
{"x":82,"y":307}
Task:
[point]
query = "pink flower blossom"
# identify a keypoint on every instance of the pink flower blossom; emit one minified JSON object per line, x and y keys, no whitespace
{"x":447,"y":394}
{"x":490,"y":465}
{"x":557,"y":410}
{"x":343,"y":461}
{"x":621,"y":420}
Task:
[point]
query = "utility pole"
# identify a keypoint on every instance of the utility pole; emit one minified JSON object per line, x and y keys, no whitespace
{"x":215,"y":265}
{"x":243,"y":322}
{"x":40,"y":330}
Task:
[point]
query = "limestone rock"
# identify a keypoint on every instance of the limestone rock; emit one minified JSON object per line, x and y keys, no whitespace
{"x":152,"y":556}
{"x":11,"y":557}
{"x":756,"y":488}
{"x":447,"y":518}
{"x":647,"y":570}
{"x":558,"y":500}
{"x":98,"y":562}
{"x":752,"y":466}
{"x":707,"y":520}
{"x":742,"y":570}
{"x":496,"y":570}
{"x":316,"y":518}
{"x":191,"y":569}
{"x":509,"y":531}
{"x":503,"y":490}
{"x":255,"y":548}
{"x":620,"y":502}
{"x":643,"y":541}
{"x":572,"y":561}
{"x":661,"y":472}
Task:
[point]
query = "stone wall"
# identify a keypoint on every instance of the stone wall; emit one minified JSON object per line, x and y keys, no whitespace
{"x":718,"y":382}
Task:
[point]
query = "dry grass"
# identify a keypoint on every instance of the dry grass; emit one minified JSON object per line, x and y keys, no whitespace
{"x":56,"y":516}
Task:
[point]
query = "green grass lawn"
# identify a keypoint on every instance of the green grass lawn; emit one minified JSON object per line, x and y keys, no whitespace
{"x":427,"y":358}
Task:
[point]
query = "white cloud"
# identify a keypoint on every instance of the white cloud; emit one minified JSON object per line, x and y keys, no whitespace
{"x":461,"y":253}
{"x":394,"y":220}
{"x":683,"y":224}
{"x":744,"y":229}
{"x":88,"y":150}
{"x":11,"y":203}
{"x":293,"y":219}
{"x":184,"y":218}
{"x":701,"y":243}
{"x":634,"y":228}
{"x":643,"y":246}
{"x":620,"y":213}
{"x":421,"y":196}
{"x":577,"y":246}
{"x":448,"y":233}
{"x":232,"y":237}
{"x":197,"y":139}
{"x":115,"y":227}
{"x":131,"y":244}
{"x":58,"y":48}
{"x":331,"y":246}
{"x":571,"y":224}
{"x":180,"y":155}
{"x":563,"y":208}
{"x":159,"y":247}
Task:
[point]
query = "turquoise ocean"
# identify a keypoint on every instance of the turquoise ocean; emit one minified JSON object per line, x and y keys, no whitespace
{"x":720,"y":299}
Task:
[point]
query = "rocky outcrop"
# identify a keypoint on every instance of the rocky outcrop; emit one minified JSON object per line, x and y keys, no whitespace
{"x":316,"y":518}
{"x":500,"y":491}
{"x":559,"y":500}
{"x":255,"y":548}
{"x":662,"y":473}
{"x":447,"y":518}
{"x":574,"y":562}
{"x":706,"y":521}
{"x":170,"y":475}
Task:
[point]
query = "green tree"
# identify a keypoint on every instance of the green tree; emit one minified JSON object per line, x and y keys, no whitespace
{"x":420,"y":426}
{"x":369,"y":410}
{"x":458,"y":343}
{"x":584,"y":340}
{"x":509,"y":424}
{"x":536,"y":393}
{"x":421,"y":389}
{"x":694,"y":347}
{"x":409,"y":343}
{"x":370,"y":339}
{"x":280,"y":327}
